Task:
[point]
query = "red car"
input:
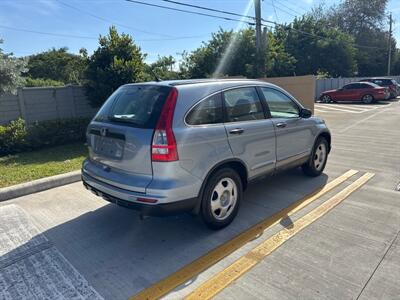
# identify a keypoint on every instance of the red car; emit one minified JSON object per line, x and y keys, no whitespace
{"x":366,"y":92}
{"x":389,"y":83}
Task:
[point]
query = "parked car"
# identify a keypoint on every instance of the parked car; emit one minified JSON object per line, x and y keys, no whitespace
{"x":390,"y":83}
{"x":194,"y":145}
{"x":367,"y":92}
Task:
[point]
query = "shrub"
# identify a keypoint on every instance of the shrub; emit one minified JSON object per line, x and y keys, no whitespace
{"x":42,"y":82}
{"x":18,"y":137}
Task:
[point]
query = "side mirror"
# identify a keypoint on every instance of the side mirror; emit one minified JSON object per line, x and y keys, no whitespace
{"x":305,"y":113}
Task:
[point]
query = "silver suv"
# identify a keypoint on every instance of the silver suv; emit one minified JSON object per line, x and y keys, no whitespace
{"x":194,"y":145}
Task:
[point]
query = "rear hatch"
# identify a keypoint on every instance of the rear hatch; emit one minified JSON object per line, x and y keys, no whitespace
{"x":120,"y":136}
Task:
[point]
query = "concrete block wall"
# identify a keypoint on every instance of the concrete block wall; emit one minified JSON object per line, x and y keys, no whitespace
{"x":40,"y":104}
{"x":301,"y":87}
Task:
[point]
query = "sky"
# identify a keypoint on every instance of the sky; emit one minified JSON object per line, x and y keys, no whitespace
{"x":157,"y":31}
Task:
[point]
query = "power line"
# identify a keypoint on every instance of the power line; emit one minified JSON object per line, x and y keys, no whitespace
{"x":93,"y":37}
{"x":285,"y":11}
{"x":190,"y":12}
{"x":273,"y":5}
{"x":209,"y":9}
{"x":49,"y":33}
{"x":295,"y":5}
{"x":250,"y":23}
{"x":287,"y":7}
{"x":111,"y":21}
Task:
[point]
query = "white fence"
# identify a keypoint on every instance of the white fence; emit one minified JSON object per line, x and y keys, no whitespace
{"x":326,"y":84}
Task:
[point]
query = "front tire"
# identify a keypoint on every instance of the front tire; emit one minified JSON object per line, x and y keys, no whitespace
{"x":317,"y":161}
{"x":221,"y":198}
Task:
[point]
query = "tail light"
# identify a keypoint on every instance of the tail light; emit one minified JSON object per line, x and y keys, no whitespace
{"x":164,"y":144}
{"x":381,"y":90}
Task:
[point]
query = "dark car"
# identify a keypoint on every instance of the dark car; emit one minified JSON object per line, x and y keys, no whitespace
{"x":390,"y":83}
{"x":366,"y":92}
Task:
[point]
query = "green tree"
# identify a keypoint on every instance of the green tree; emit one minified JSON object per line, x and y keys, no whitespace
{"x":58,"y":65}
{"x":163,"y":67}
{"x":318,"y":48}
{"x":366,"y":22}
{"x":11,"y":69}
{"x":230,"y":53}
{"x":117,"y":61}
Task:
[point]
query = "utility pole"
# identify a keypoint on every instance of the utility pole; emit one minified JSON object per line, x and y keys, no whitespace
{"x":257,"y":6}
{"x":390,"y":44}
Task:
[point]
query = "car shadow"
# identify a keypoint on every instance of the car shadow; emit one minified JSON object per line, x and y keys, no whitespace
{"x":120,"y":254}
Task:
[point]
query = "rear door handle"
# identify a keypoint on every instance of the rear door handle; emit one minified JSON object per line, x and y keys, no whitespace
{"x":237,"y":131}
{"x":281,"y":125}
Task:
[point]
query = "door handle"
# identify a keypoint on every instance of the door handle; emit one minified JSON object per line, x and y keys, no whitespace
{"x":237,"y":131}
{"x":281,"y":125}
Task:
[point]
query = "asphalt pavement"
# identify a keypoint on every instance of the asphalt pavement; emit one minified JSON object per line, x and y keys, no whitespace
{"x":352,"y":251}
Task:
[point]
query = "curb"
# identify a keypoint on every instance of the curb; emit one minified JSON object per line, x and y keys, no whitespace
{"x":38,"y":185}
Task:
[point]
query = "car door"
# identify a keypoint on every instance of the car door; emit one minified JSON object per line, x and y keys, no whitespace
{"x":294,"y":135}
{"x":351,"y":92}
{"x":251,"y":135}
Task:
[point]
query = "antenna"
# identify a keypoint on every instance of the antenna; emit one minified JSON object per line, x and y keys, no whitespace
{"x":156,"y":77}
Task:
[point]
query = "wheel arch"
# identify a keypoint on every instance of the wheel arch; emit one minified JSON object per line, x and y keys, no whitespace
{"x":236,"y":164}
{"x":327,"y":136}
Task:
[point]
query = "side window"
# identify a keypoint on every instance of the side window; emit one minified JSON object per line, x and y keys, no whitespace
{"x":208,"y":111}
{"x":243,"y":104}
{"x":351,"y":86}
{"x":365,"y":86}
{"x":280,"y":105}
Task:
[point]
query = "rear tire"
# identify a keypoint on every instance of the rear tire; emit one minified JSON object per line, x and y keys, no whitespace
{"x":326,"y":99}
{"x":367,"y":99}
{"x":318,"y":158}
{"x":221,"y":198}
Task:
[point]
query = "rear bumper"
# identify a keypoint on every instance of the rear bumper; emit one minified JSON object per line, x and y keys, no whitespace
{"x":128,"y":199}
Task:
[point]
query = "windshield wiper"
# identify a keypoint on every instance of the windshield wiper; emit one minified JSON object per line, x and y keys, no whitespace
{"x":123,"y":119}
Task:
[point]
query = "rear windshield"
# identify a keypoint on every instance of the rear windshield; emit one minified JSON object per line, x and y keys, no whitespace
{"x":383,"y":82}
{"x":135,"y":105}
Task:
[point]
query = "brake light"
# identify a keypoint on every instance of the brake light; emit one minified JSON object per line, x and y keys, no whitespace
{"x":164,"y":144}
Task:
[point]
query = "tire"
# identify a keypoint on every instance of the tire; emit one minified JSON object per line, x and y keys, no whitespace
{"x":317,"y":161}
{"x":221,"y":198}
{"x":367,"y":99}
{"x":326,"y":99}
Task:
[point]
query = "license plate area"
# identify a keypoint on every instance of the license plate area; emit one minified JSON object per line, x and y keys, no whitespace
{"x":109,"y":147}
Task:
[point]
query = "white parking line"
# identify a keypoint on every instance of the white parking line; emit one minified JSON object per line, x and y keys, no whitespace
{"x":348,"y":108}
{"x":330,"y":107}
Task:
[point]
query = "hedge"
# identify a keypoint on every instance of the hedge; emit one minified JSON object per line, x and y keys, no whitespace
{"x":17,"y":136}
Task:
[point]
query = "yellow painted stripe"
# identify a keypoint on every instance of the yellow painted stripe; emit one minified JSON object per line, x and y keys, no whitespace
{"x":187,"y":272}
{"x":221,"y":280}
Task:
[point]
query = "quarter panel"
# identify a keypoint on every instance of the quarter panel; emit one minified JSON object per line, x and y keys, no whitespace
{"x":200,"y":148}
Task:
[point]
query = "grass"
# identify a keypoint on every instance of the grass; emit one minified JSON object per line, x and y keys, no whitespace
{"x":33,"y":165}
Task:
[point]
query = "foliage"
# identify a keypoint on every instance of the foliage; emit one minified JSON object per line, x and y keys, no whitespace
{"x":332,"y":52}
{"x":41,"y":82}
{"x":366,"y":22}
{"x":58,"y":65}
{"x":117,"y":61}
{"x":11,"y":69}
{"x":234,"y":54}
{"x":18,"y":137}
{"x":163,"y":67}
{"x":41,"y":163}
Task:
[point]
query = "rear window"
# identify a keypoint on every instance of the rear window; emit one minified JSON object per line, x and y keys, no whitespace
{"x":135,"y":105}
